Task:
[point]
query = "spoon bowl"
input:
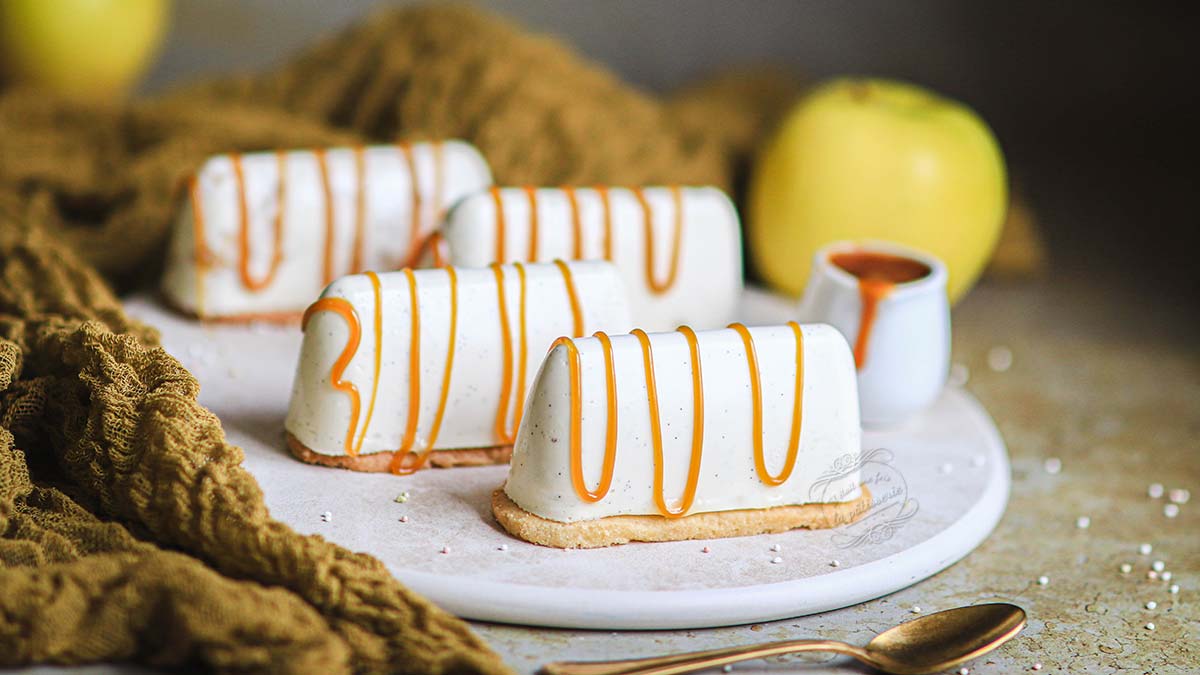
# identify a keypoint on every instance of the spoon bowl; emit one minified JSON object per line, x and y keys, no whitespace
{"x":944,"y":639}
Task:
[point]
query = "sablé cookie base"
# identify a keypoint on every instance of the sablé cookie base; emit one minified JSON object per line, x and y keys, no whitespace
{"x":380,"y":462}
{"x":613,"y":530}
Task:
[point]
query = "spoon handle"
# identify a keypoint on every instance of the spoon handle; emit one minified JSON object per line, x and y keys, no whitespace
{"x":693,"y":661}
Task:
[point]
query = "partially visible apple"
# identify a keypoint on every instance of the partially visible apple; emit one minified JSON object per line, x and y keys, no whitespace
{"x":877,"y":159}
{"x":89,"y":49}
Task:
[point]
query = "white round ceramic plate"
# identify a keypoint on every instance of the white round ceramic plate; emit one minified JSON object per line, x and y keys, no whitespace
{"x":940,"y":486}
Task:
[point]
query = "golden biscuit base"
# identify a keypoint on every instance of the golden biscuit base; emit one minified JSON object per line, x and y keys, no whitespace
{"x":379,"y":462}
{"x":613,"y":530}
{"x":277,"y":318}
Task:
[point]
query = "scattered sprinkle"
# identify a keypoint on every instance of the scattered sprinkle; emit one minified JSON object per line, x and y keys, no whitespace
{"x":776,"y":560}
{"x":964,"y":671}
{"x":1043,"y":580}
{"x":1158,"y":566}
{"x":445,"y":550}
{"x":1083,"y":522}
{"x":1179,"y":496}
{"x":999,"y":359}
{"x":1052,"y":465}
{"x":960,"y":374}
{"x":502,"y":547}
{"x":1037,"y":666}
{"x":756,"y":627}
{"x":327,"y":516}
{"x":978,"y":461}
{"x":1151,"y":605}
{"x":1165,"y":576}
{"x":1151,"y":575}
{"x":404,"y":519}
{"x":776,"y":548}
{"x":727,"y":669}
{"x":1145,"y":549}
{"x":1171,"y":510}
{"x":1126,"y":568}
{"x":916,"y":609}
{"x":1174,"y":589}
{"x":835,"y":563}
{"x":1155,"y":490}
{"x":401,"y":498}
{"x":947,"y":468}
{"x":1150,"y":626}
{"x":706,"y":550}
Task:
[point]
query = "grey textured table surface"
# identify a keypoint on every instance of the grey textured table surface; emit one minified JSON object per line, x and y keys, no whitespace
{"x":1102,"y":380}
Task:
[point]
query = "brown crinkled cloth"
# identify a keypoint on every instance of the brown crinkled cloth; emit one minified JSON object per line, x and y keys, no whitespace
{"x":128,"y":529}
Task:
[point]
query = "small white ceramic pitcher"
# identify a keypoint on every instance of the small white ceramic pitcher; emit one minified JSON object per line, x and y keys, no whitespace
{"x":904,"y":357}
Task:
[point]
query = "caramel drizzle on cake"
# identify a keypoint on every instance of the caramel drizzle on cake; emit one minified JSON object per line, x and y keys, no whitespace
{"x":579,"y":483}
{"x":399,"y":464}
{"x":656,"y":285}
{"x":203,"y":256}
{"x":760,"y":461}
{"x":344,"y":309}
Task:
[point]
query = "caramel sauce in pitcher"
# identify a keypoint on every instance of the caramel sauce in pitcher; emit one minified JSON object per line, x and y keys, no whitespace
{"x":878,"y":275}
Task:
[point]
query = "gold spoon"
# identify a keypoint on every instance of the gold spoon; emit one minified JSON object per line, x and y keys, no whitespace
{"x":934,"y":642}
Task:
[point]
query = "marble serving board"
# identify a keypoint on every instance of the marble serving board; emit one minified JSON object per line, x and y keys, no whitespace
{"x":940,"y":485}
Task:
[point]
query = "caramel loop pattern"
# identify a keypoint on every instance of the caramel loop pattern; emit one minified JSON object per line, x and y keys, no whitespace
{"x":610,"y":436}
{"x":693,"y":477}
{"x":248,"y":280}
{"x":344,"y":309}
{"x":504,"y":434}
{"x":661,"y":286}
{"x":760,"y":461}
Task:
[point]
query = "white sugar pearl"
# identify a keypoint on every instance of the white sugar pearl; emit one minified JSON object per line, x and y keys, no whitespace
{"x":776,"y":560}
{"x":999,"y":359}
{"x":404,"y":519}
{"x":1053,"y":465}
{"x":1151,"y":605}
{"x":1150,"y":626}
{"x":1155,"y":490}
{"x":502,"y":547}
{"x":1171,"y":510}
{"x":960,"y":374}
{"x":1152,"y":575}
{"x":1179,"y":496}
{"x":776,"y":548}
{"x":1145,"y":549}
{"x":1174,"y":589}
{"x":916,"y":609}
{"x":706,"y":550}
{"x":1037,"y":666}
{"x":834,"y":563}
{"x":327,"y":516}
{"x":1126,"y":568}
{"x":1083,"y":522}
{"x":1165,"y":576}
{"x":445,"y":549}
{"x":726,"y":669}
{"x":1158,"y":566}
{"x":1043,"y":580}
{"x":964,"y":671}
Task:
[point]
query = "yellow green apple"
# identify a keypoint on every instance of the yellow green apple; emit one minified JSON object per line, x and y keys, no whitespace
{"x":876,"y":159}
{"x":89,"y":49}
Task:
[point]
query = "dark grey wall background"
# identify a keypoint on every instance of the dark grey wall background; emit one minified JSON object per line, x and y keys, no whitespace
{"x":1091,"y":101}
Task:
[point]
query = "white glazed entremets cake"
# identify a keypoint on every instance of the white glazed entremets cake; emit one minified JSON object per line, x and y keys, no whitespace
{"x":678,"y":248}
{"x":687,"y":435}
{"x":260,"y":234}
{"x":433,"y":365}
